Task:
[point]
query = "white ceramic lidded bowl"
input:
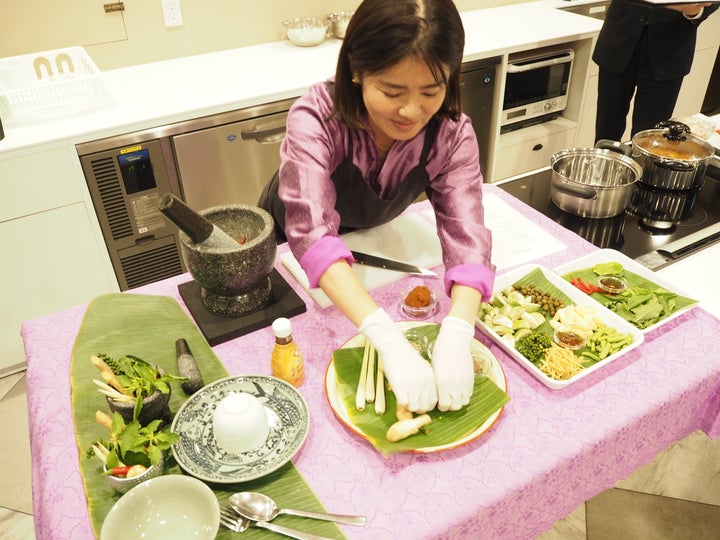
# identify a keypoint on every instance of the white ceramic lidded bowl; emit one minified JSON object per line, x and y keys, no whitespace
{"x":240,"y":423}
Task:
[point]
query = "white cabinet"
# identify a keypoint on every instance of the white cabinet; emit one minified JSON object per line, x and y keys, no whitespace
{"x":532,"y":147}
{"x":53,"y":258}
{"x":41,"y":25}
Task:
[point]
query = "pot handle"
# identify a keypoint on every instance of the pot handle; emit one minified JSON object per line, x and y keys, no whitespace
{"x":677,"y":166}
{"x":615,"y":146}
{"x":578,"y":191}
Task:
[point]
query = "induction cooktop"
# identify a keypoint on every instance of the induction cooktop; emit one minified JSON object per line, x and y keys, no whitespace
{"x":657,"y":228}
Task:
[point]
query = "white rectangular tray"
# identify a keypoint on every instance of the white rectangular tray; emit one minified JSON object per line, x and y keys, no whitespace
{"x":578,"y":298}
{"x":610,"y":255}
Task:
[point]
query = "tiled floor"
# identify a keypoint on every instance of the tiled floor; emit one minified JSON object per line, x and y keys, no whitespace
{"x":675,"y":497}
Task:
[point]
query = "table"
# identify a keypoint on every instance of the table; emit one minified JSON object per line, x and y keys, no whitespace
{"x":549,"y":451}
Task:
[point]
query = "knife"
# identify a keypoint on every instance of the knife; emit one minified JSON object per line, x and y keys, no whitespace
{"x":389,"y":264}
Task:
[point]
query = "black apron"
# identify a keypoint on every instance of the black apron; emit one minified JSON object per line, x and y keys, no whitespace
{"x":358,"y":205}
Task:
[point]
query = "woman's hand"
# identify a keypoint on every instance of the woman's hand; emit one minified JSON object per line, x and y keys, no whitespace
{"x":453,"y":364}
{"x":689,"y":10}
{"x":410,"y":376}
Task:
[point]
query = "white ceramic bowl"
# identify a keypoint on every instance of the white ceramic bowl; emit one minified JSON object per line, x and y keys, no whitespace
{"x":240,"y":423}
{"x":172,"y":506}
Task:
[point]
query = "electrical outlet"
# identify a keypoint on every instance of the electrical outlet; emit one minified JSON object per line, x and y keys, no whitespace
{"x":172,"y":12}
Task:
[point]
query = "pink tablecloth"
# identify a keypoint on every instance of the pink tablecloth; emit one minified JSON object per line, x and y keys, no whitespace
{"x":549,"y":451}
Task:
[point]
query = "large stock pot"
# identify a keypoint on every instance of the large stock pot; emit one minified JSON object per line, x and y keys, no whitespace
{"x":593,"y":182}
{"x":671,"y":158}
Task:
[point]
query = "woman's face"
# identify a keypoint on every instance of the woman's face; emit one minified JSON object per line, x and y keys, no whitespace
{"x":401,"y":100}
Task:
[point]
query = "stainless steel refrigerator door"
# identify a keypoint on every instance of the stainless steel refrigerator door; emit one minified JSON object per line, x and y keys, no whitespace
{"x":229,"y":163}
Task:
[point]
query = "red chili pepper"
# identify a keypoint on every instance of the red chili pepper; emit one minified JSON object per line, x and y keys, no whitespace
{"x":120,"y":471}
{"x":584,"y":286}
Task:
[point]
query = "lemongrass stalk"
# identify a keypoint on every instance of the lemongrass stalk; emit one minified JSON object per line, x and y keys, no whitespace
{"x":380,"y":390}
{"x":370,"y":381}
{"x":111,"y":392}
{"x":360,"y":393}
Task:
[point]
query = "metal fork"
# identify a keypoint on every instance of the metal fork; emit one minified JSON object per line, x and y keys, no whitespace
{"x":237,"y":523}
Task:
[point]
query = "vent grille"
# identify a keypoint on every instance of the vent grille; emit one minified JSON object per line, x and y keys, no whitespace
{"x":151,"y":266}
{"x":111,"y":197}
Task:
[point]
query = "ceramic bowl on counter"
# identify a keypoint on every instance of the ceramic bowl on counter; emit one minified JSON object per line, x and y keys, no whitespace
{"x":306,"y":31}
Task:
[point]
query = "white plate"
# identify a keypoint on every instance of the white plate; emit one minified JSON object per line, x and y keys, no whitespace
{"x":610,"y":255}
{"x":578,"y":298}
{"x":198,"y":454}
{"x":495,"y":374}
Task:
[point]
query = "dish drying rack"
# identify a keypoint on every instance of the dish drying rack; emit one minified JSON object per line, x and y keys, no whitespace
{"x":51,"y":84}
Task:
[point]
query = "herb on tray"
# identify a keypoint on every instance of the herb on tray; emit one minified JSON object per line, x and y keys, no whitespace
{"x":132,"y":376}
{"x":130,"y":444}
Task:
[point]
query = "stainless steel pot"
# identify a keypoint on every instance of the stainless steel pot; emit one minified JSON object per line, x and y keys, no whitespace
{"x":671,"y":158}
{"x":593,"y":182}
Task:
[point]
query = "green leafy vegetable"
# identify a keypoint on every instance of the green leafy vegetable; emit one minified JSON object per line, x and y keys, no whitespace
{"x":132,"y":444}
{"x":608,"y":269}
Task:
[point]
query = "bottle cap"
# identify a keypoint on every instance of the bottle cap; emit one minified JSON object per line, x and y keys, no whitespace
{"x":281,"y":327}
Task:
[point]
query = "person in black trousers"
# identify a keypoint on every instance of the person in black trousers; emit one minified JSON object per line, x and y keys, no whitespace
{"x":646,"y":50}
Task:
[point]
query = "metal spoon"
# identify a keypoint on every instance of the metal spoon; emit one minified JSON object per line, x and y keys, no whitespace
{"x":259,"y":507}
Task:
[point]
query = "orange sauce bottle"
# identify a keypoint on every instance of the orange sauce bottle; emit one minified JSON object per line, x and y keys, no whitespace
{"x":286,"y":360}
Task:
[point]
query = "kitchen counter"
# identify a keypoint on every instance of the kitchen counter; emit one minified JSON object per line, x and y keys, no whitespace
{"x":159,"y":93}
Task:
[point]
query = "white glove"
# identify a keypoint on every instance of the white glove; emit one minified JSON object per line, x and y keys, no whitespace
{"x":410,"y":376}
{"x":453,"y":364}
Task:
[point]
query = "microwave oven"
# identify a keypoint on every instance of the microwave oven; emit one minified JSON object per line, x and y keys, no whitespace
{"x":536,"y":87}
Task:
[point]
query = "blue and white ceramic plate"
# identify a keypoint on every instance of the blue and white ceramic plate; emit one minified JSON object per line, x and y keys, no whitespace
{"x":199,"y":455}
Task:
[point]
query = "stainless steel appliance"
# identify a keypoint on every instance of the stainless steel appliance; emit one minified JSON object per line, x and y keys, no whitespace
{"x":536,"y":87}
{"x":639,"y":233}
{"x":208,"y":161}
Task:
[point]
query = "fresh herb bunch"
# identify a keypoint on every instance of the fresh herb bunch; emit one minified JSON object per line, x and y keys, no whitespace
{"x":131,"y":444}
{"x":133,"y":376}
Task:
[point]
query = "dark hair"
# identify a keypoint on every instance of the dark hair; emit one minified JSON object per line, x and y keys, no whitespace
{"x":382,"y":33}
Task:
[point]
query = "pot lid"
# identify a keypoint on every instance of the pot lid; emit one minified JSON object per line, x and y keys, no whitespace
{"x":672,"y":140}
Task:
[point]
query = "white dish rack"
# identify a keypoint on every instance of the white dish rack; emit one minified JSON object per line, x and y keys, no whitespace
{"x":52,"y":84}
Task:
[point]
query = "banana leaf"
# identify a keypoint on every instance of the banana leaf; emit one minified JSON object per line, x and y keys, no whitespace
{"x":147,"y":327}
{"x":447,"y":429}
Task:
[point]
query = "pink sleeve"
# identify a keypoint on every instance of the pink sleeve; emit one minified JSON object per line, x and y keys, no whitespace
{"x":321,"y":255}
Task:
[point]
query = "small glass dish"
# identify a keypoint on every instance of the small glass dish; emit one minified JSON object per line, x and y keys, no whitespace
{"x":612,"y":284}
{"x":306,"y":31}
{"x":416,"y":296}
{"x":569,"y":338}
{"x":418,"y":340}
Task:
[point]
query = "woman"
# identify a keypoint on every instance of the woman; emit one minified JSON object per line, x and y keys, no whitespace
{"x":359,"y":150}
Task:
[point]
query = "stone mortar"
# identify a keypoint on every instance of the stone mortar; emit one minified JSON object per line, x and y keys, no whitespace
{"x":234,"y":282}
